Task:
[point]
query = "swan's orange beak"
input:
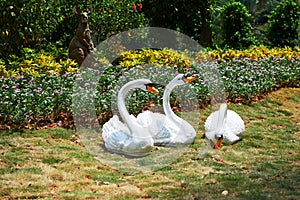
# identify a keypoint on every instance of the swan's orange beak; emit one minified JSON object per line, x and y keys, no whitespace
{"x":189,"y":79}
{"x":218,"y":142}
{"x":151,"y":88}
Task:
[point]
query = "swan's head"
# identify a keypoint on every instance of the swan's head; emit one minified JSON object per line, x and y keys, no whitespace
{"x":181,"y":79}
{"x":218,"y":141}
{"x":149,"y":87}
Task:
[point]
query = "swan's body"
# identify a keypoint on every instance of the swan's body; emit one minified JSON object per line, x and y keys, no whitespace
{"x":131,"y":139}
{"x":168,"y":129}
{"x":226,"y":123}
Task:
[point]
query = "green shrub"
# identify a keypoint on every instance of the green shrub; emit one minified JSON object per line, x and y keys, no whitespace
{"x":38,"y":23}
{"x":236,"y":30}
{"x":283,"y":24}
{"x":37,"y":64}
{"x":191,"y":17}
{"x":164,"y":57}
{"x":112,"y":17}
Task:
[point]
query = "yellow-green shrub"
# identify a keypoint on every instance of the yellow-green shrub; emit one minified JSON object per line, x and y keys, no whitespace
{"x":256,"y":52}
{"x":37,"y":64}
{"x":41,"y":64}
{"x":47,"y":64}
{"x":166,"y":57}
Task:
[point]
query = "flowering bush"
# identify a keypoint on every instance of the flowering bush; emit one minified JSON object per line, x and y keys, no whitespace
{"x":29,"y":99}
{"x":247,"y":78}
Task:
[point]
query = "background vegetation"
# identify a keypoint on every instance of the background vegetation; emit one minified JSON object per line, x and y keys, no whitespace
{"x":283,"y":24}
{"x":235,"y":28}
{"x":38,"y":91}
{"x":49,"y":25}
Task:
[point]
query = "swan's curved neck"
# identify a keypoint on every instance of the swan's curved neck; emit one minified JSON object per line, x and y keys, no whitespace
{"x":122,"y":106}
{"x":222,"y":116}
{"x":166,"y":101}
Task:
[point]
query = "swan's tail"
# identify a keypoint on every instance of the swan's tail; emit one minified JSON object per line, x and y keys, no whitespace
{"x":231,"y":138}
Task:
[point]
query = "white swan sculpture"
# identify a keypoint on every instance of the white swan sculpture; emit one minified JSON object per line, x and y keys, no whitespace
{"x":223,"y":124}
{"x":168,"y":129}
{"x":132,"y":139}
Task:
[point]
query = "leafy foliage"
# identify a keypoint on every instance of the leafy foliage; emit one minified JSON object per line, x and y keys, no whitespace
{"x":29,"y":99}
{"x":235,"y":30}
{"x":165,"y":57}
{"x":37,"y":23}
{"x":255,"y":52}
{"x":37,"y":64}
{"x":283,"y":24}
{"x":190,"y":17}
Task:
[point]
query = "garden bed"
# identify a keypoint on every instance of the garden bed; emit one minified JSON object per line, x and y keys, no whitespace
{"x":36,"y":97}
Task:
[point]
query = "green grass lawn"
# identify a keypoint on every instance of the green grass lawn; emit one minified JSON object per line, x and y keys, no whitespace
{"x":52,"y":163}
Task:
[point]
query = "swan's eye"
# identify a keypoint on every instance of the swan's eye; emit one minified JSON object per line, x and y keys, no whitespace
{"x":186,"y":75}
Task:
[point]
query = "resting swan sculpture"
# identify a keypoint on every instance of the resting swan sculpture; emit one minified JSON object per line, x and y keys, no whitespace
{"x":132,"y":139}
{"x":223,"y":124}
{"x":168,"y":129}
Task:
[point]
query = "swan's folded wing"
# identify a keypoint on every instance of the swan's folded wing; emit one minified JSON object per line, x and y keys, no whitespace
{"x":145,"y":119}
{"x":211,"y":125}
{"x":133,"y":118}
{"x":230,"y":136}
{"x":155,"y":123}
{"x":115,"y":134}
{"x":235,"y":123}
{"x":112,"y":126}
{"x":117,"y":140}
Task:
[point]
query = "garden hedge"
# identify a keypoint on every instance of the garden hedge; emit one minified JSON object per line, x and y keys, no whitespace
{"x":42,"y":92}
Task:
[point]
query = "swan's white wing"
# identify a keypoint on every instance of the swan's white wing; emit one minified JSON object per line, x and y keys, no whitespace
{"x":235,"y":123}
{"x":158,"y":126}
{"x":230,"y":136}
{"x":145,"y":119}
{"x":115,"y":133}
{"x":167,"y":133}
{"x":181,"y":133}
{"x":211,"y":125}
{"x":164,"y":131}
{"x":150,"y":119}
{"x":113,"y":125}
{"x":118,"y":139}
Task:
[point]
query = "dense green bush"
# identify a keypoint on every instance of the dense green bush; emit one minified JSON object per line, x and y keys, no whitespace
{"x":26,"y":24}
{"x":235,"y":28}
{"x":37,"y":23}
{"x":190,"y":17}
{"x":283,"y":24}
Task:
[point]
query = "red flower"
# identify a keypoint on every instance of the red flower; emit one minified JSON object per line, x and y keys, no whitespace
{"x":140,"y":6}
{"x":134,"y":7}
